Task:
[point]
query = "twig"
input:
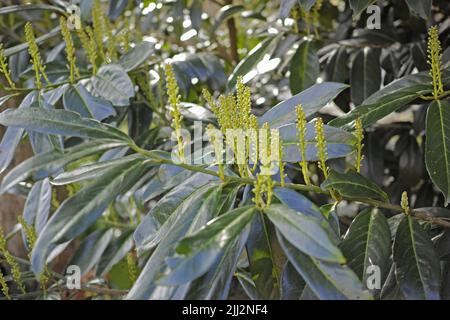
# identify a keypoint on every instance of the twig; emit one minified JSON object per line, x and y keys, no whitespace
{"x":301,"y":187}
{"x":232,"y":32}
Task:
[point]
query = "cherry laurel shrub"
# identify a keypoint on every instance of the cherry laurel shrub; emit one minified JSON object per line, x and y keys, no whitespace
{"x":262,"y":149}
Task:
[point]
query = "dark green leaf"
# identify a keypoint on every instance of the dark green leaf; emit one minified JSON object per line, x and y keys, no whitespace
{"x":353,"y":185}
{"x":368,"y":243}
{"x":196,"y":253}
{"x":80,"y":211}
{"x":292,"y":284}
{"x":37,"y":206}
{"x":92,"y":171}
{"x":136,"y":56}
{"x":359,"y":6}
{"x":365,"y":77}
{"x":76,"y":98}
{"x":225,"y":13}
{"x":416,"y":262}
{"x":304,"y":232}
{"x":115,"y":252}
{"x":216,"y":283}
{"x":307,"y":4}
{"x":112,"y":83}
{"x":262,"y":264}
{"x":312,"y":100}
{"x":304,"y":67}
{"x":61,"y":122}
{"x":190,"y":218}
{"x":437,"y":148}
{"x":160,"y":218}
{"x":40,"y":166}
{"x":387,"y":100}
{"x":285,"y":8}
{"x":422,"y":8}
{"x":91,"y":250}
{"x":247,"y":64}
{"x":328,"y":281}
{"x":297,"y":202}
{"x":31,"y":7}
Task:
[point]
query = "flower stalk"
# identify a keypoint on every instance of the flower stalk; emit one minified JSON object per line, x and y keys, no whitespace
{"x":435,"y":61}
{"x":15,"y":270}
{"x":321,"y":147}
{"x":359,"y":133}
{"x":174,"y":101}
{"x":4,"y":69}
{"x":38,"y":66}
{"x":405,"y":204}
{"x":301,"y":129}
{"x":70,"y":50}
{"x":87,"y":40}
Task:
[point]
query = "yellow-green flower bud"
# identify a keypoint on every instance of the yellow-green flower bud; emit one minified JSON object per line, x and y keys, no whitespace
{"x":359,"y":133}
{"x":435,"y":61}
{"x":38,"y":67}
{"x":4,"y":68}
{"x":405,"y":203}
{"x":301,"y":128}
{"x":174,"y":101}
{"x":321,"y":147}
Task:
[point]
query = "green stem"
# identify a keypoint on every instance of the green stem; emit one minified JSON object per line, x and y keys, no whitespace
{"x":422,"y":215}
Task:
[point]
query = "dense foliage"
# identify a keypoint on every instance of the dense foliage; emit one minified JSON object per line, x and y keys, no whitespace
{"x":331,"y":184}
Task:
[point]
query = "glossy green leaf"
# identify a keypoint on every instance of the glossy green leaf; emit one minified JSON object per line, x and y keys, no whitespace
{"x":216,"y":283}
{"x":285,"y":8}
{"x":328,"y":281}
{"x":304,"y":232}
{"x":160,"y":218}
{"x":307,"y":4}
{"x":422,"y":8}
{"x":37,"y":205}
{"x":115,"y":252}
{"x":437,"y":147}
{"x":60,"y":122}
{"x":91,"y":250}
{"x":416,"y":262}
{"x":336,"y":68}
{"x":31,"y":7}
{"x":353,"y":185}
{"x":40,"y":166}
{"x":311,"y":99}
{"x":359,"y":6}
{"x":76,"y":98}
{"x":112,"y":83}
{"x":92,"y":171}
{"x":261,"y":260}
{"x":247,"y":64}
{"x":193,"y":215}
{"x":368,"y":243}
{"x":387,"y":100}
{"x":292,"y":284}
{"x":80,"y":211}
{"x":196,"y":253}
{"x":304,"y":68}
{"x":137,"y":55}
{"x":12,"y":136}
{"x":297,"y":202}
{"x":225,"y":13}
{"x":365,"y":78}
